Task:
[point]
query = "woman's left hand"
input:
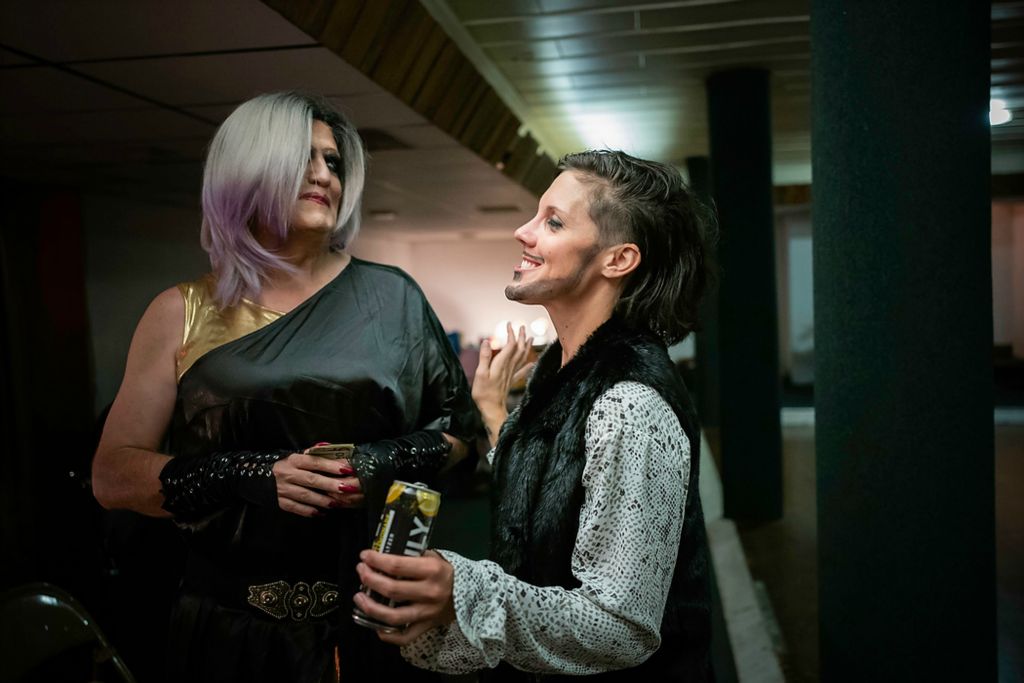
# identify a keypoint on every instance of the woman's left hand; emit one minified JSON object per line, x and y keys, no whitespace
{"x":426,"y":584}
{"x":496,"y":374}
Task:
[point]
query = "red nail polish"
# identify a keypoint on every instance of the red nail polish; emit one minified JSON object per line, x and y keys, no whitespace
{"x":345,"y":488}
{"x":346,"y":471}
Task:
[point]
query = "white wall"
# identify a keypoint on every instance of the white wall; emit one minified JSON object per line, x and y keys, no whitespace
{"x":1002,"y":272}
{"x":465,"y":282}
{"x":463,"y":278}
{"x":1017,"y":282}
{"x":796,"y":300}
{"x":1008,"y":275}
{"x":800,"y":299}
{"x":382,"y":249}
{"x":795,"y":282}
{"x":136,"y":250}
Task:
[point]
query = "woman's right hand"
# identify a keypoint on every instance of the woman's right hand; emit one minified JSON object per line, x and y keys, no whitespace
{"x":308,"y":485}
{"x":495,"y":375}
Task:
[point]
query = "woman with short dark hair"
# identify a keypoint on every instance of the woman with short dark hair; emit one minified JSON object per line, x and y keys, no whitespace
{"x":288,"y":342}
{"x":600,"y":559}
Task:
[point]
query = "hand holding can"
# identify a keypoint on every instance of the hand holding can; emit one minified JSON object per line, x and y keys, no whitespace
{"x":406,"y":523}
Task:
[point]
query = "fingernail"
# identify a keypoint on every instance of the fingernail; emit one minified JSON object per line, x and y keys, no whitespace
{"x":334,"y":505}
{"x":363,"y":555}
{"x":345,"y":488}
{"x":346,"y":470}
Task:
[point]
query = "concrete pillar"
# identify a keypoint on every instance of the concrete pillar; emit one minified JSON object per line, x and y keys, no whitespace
{"x":903,"y":318}
{"x":706,"y":339}
{"x":739,"y":119}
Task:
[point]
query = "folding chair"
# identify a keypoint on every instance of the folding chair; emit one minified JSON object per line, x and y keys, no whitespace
{"x":47,"y":634}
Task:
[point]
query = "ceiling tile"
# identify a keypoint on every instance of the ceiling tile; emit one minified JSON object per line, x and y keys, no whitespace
{"x":60,"y":30}
{"x":524,"y":51}
{"x":712,"y":40}
{"x":516,"y":70}
{"x":376,"y":110}
{"x":541,"y":28}
{"x":709,"y":15}
{"x":762,"y":55}
{"x":638,"y":78}
{"x":440,"y":189}
{"x":42,"y":89}
{"x":99,"y":128}
{"x":231,"y":78}
{"x":8,"y":58}
{"x":423,"y":136}
{"x":582,"y":5}
{"x":475,"y":11}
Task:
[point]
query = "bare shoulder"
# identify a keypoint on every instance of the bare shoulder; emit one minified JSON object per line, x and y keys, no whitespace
{"x":165,"y":315}
{"x":161,"y":327}
{"x":167,"y":305}
{"x":144,"y":401}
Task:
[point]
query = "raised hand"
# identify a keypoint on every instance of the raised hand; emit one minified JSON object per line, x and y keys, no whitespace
{"x":497,"y":372}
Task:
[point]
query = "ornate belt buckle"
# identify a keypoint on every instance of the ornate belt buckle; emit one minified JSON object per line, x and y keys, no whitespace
{"x":280,"y":599}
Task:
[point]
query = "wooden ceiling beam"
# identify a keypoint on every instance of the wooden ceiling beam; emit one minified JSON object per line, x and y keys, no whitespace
{"x":436,"y":79}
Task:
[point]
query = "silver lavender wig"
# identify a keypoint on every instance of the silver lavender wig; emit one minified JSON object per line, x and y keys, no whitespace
{"x":254,"y":169}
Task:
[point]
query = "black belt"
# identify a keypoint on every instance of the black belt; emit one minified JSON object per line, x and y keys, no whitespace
{"x":298,"y":600}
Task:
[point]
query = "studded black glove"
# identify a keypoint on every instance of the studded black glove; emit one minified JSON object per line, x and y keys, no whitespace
{"x":413,"y":458}
{"x":196,"y":488}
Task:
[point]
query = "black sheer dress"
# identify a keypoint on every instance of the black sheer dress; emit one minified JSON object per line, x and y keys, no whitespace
{"x":267,"y":594}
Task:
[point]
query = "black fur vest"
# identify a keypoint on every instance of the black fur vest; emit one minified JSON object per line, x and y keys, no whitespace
{"x":538,"y":492}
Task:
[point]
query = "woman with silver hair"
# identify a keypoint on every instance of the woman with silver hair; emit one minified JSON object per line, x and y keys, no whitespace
{"x":289,"y":342}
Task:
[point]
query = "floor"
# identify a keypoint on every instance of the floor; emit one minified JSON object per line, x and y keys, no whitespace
{"x":783,"y":555}
{"x":1010,"y":551}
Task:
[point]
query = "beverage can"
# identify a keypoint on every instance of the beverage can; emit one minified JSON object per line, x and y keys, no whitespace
{"x":404,"y":529}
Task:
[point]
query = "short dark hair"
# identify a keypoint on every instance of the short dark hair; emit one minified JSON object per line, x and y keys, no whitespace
{"x":647,"y":203}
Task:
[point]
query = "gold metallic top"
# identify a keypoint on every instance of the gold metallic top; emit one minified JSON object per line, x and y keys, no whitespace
{"x":207,"y":326}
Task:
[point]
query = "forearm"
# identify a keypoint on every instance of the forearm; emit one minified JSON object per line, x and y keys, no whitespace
{"x":197,"y":489}
{"x":417,"y":456}
{"x":537,"y":629}
{"x":459,"y":450}
{"x":494,"y":417}
{"x":128,"y":478}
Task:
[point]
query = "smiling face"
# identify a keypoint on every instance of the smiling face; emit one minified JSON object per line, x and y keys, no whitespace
{"x":560,"y":246}
{"x":320,"y":194}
